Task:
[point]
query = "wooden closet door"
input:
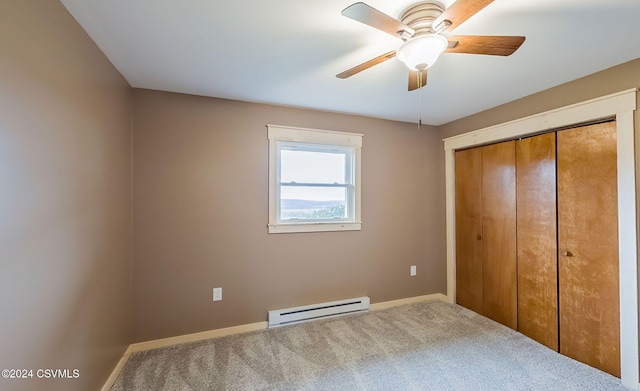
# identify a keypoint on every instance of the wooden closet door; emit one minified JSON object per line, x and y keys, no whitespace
{"x":537,"y":240}
{"x":499,"y":233}
{"x":588,"y":246}
{"x":468,"y":167}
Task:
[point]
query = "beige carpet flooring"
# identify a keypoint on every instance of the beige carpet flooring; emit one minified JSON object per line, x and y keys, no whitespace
{"x":423,"y":346}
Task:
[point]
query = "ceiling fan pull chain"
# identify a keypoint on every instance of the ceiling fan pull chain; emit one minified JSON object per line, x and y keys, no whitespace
{"x":419,"y":76}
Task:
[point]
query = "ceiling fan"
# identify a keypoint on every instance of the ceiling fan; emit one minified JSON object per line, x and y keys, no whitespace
{"x":420,"y":27}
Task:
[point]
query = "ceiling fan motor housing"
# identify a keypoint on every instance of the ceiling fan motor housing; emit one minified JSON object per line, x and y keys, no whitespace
{"x":420,"y":17}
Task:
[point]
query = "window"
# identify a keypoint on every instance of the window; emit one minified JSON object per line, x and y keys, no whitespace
{"x":314,"y":180}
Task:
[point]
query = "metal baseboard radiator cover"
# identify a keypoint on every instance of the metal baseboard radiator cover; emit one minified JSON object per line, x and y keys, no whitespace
{"x":306,"y":313}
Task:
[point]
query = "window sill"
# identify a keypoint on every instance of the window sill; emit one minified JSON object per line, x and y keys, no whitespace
{"x":314,"y":227}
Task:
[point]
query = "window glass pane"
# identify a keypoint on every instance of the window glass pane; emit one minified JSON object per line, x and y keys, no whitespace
{"x":312,"y":167}
{"x":312,"y":203}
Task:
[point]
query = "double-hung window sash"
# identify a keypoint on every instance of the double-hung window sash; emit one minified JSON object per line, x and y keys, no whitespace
{"x":315,"y":183}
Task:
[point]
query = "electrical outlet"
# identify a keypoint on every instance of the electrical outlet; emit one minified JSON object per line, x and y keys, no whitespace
{"x":217,"y":294}
{"x":413,"y":270}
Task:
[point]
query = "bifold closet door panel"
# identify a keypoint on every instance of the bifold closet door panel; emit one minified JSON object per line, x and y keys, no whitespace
{"x":588,"y":246}
{"x":499,"y":233}
{"x":468,"y":167}
{"x":536,"y":238}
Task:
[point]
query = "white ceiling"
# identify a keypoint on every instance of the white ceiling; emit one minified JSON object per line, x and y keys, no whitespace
{"x":287,"y":52}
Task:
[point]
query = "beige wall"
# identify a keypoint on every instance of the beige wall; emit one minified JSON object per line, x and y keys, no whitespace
{"x":65,"y":140}
{"x":200,"y":216}
{"x":200,"y":208}
{"x":619,"y":78}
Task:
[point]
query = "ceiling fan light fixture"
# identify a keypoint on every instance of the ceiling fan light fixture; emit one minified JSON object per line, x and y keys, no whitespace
{"x":421,"y":52}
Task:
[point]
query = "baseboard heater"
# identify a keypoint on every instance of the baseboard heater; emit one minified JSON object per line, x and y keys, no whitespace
{"x":315,"y":311}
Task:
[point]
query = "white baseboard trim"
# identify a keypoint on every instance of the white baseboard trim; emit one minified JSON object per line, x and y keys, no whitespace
{"x":195,"y":337}
{"x":410,"y":300}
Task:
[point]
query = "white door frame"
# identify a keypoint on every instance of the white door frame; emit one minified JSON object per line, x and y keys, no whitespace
{"x":621,"y":106}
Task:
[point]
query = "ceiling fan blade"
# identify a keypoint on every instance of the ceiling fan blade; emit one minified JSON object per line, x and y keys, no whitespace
{"x":458,"y":13}
{"x":484,"y":44}
{"x":416,"y":80}
{"x":366,"y":14}
{"x":366,"y":65}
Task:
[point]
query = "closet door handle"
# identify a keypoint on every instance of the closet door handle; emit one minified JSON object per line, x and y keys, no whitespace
{"x":566,"y":253}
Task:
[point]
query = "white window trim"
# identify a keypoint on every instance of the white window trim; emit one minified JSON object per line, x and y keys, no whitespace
{"x":303,"y":135}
